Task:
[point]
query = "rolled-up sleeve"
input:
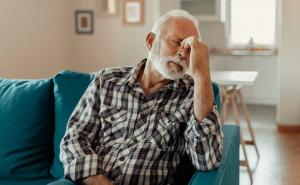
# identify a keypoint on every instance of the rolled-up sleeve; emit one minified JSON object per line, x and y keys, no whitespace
{"x":204,"y":141}
{"x":76,"y":152}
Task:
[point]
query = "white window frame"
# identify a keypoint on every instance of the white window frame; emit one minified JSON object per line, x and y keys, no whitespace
{"x":243,"y":46}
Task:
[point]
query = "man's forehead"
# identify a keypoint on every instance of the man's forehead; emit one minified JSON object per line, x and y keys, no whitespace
{"x":180,"y":27}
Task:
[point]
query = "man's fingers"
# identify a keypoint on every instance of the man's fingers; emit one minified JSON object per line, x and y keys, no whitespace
{"x":191,"y":42}
{"x":186,"y":42}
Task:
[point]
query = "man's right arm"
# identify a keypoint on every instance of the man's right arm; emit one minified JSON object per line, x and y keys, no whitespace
{"x":76,"y":153}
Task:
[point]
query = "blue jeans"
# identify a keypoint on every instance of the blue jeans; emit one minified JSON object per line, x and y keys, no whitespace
{"x":62,"y":182}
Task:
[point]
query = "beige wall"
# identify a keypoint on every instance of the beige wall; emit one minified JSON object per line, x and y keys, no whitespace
{"x":112,"y":44}
{"x":38,"y":38}
{"x":289,"y":66}
{"x":34,"y":37}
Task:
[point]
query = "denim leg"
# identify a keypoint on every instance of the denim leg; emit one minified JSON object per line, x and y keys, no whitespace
{"x":62,"y":182}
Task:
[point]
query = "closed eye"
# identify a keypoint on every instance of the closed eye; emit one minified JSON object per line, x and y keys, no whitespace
{"x":176,"y":43}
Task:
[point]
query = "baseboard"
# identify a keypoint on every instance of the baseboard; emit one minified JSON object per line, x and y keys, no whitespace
{"x":288,"y":128}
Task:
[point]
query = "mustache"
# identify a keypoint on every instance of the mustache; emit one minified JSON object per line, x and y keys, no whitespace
{"x":177,"y":60}
{"x":173,"y":58}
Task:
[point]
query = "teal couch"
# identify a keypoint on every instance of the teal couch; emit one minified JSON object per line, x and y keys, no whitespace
{"x":33,"y":118}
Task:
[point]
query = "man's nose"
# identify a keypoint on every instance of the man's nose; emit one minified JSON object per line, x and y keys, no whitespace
{"x":183,"y":52}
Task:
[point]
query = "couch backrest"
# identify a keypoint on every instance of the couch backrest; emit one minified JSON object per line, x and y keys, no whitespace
{"x":26,"y":128}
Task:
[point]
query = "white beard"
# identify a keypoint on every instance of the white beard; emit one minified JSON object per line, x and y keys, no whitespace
{"x":161,"y":63}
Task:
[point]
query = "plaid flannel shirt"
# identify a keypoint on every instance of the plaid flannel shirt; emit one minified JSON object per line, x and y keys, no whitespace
{"x":117,"y":131}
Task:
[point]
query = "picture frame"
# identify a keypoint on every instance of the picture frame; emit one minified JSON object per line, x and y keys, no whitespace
{"x":84,"y":21}
{"x":107,"y":7}
{"x":132,"y":12}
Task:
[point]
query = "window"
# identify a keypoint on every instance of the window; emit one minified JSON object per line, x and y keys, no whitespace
{"x":252,"y":22}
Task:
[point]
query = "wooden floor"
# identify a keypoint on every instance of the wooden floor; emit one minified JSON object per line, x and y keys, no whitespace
{"x":279,"y":162}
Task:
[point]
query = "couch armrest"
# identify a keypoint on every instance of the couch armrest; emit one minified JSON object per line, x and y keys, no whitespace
{"x":228,"y":171}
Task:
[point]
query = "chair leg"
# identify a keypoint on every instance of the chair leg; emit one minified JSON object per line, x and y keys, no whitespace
{"x":224,"y":108}
{"x":237,"y":120}
{"x":245,"y":162}
{"x":247,"y":117}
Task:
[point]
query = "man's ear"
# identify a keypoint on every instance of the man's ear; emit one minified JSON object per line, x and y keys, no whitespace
{"x":149,"y":40}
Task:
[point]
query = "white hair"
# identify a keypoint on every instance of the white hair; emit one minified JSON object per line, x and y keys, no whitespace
{"x":156,"y":29}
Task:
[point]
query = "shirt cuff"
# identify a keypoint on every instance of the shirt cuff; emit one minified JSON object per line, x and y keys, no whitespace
{"x":83,"y":167}
{"x":208,"y":126}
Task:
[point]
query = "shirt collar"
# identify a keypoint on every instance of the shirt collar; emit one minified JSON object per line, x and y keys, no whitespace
{"x":131,"y":78}
{"x":135,"y":72}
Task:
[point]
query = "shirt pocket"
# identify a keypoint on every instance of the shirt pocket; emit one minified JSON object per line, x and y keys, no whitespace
{"x":165,"y":133}
{"x":112,"y":121}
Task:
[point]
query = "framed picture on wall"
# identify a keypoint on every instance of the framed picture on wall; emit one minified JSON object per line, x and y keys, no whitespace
{"x":132,"y":12}
{"x":84,"y":21}
{"x":106,"y":7}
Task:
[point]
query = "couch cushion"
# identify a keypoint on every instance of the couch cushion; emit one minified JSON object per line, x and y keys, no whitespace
{"x":69,"y":86}
{"x":26,"y":134}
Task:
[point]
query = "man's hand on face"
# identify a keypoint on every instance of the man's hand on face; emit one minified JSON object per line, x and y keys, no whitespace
{"x":96,"y":180}
{"x":199,"y":57}
{"x":199,"y":69}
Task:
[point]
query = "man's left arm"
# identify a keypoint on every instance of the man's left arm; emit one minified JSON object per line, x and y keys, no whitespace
{"x":204,"y":137}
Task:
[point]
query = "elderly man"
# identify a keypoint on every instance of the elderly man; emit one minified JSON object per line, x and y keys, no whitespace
{"x":133,"y":125}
